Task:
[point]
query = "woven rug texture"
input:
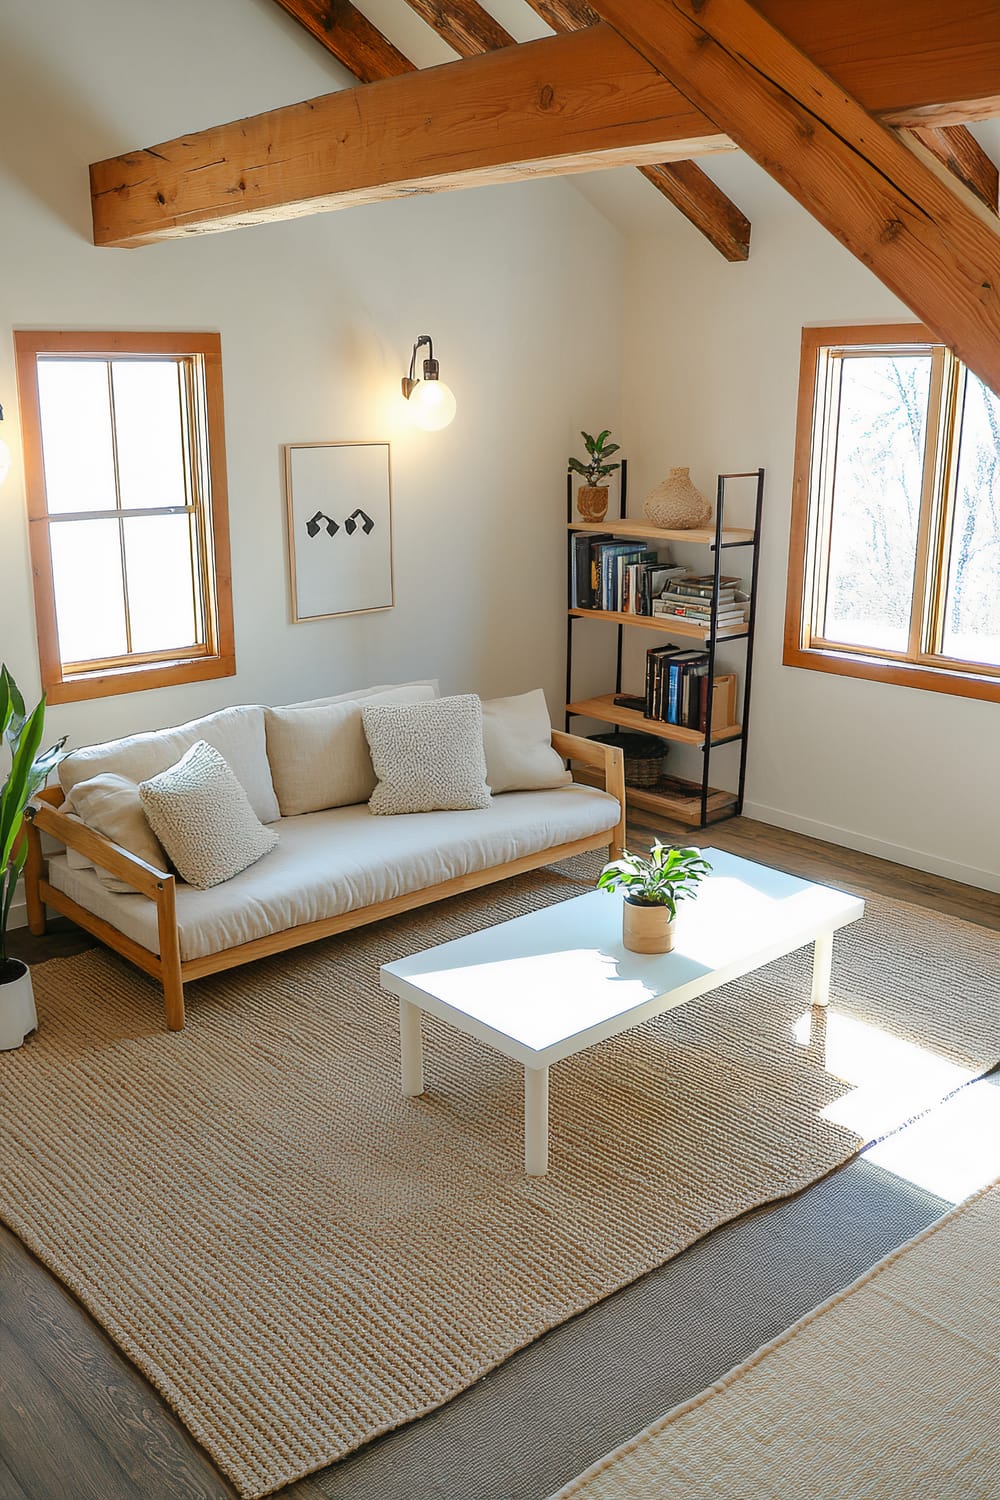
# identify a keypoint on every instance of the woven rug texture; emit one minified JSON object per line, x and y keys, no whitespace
{"x":889,"y":1389}
{"x":300,"y":1258}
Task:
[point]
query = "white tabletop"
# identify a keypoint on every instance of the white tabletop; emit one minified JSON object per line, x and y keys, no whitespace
{"x":550,"y":983}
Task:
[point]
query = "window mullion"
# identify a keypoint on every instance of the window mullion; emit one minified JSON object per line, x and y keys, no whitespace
{"x":930,"y":489}
{"x":832,"y":375}
{"x":937,"y":599}
{"x":118,"y":507}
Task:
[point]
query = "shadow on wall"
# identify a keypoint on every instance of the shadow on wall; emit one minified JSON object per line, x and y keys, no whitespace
{"x":49,"y":135}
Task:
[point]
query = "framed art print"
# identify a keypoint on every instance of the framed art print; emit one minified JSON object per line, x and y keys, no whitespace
{"x":339,"y":501}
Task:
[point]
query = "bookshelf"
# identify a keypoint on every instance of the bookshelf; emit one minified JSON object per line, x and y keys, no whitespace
{"x":693,"y":803}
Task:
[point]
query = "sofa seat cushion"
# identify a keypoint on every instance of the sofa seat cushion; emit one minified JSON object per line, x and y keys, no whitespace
{"x":343,"y":859}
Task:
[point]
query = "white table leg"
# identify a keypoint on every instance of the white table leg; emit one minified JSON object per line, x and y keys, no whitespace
{"x":822,"y":960}
{"x":411,"y":1048}
{"x":536,"y":1121}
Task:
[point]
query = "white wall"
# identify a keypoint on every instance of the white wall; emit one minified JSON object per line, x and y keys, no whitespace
{"x":711,"y":372}
{"x":317,"y":318}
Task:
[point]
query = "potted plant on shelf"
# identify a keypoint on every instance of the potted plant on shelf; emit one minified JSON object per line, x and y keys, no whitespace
{"x":592,"y":496}
{"x":652,"y":888}
{"x":28,"y":772}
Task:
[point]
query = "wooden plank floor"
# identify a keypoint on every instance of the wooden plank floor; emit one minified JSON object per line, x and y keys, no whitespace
{"x":78,"y":1422}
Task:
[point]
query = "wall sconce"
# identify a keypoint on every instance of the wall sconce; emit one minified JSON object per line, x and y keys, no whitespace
{"x":4,"y":455}
{"x":431,"y":402}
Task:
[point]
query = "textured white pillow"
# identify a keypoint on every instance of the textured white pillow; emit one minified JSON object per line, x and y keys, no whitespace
{"x":202,"y":817}
{"x":428,"y":757}
{"x":517,"y":738}
{"x":111,"y":805}
{"x":319,"y":755}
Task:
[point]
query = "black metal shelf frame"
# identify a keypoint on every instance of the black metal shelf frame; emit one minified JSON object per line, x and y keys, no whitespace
{"x":717,"y":547}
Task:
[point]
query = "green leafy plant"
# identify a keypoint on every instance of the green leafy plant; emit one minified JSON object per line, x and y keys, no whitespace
{"x":28,"y":772}
{"x":664,"y":878}
{"x":600,"y":450}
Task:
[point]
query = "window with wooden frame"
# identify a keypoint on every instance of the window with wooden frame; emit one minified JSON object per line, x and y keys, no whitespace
{"x":125,"y":470}
{"x":894,"y":560}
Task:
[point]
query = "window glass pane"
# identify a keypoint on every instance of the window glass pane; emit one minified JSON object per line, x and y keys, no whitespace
{"x":160,"y":582}
{"x":972,"y":601}
{"x":876,"y":499}
{"x":76,"y":435}
{"x":90,"y":603}
{"x":148,"y":430}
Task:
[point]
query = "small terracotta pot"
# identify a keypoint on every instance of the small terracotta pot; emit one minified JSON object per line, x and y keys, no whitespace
{"x":646,"y":929}
{"x":592,"y":502}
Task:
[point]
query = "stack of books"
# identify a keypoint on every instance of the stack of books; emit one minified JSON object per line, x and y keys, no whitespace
{"x":677,"y":689}
{"x":625,"y":577}
{"x":694,"y":598}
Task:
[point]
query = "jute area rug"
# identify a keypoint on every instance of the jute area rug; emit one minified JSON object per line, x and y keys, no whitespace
{"x":299,"y":1258}
{"x":890,"y":1389}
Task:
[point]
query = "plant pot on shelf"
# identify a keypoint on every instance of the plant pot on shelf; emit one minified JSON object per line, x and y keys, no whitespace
{"x":592,"y":502}
{"x":17,"y":1004}
{"x":647,"y":927}
{"x":676,"y":504}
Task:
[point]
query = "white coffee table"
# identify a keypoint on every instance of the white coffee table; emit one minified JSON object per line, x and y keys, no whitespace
{"x":547,"y":985}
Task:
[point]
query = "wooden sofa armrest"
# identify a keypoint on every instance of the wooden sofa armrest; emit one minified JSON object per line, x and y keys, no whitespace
{"x":42,"y":817}
{"x":609,"y":760}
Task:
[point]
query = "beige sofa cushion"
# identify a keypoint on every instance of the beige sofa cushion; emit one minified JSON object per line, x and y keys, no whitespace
{"x":428,"y":757}
{"x":203,"y":818}
{"x":237,"y":734}
{"x":111,"y":805}
{"x":318,"y":753}
{"x":370,"y":692}
{"x":342,"y":860}
{"x":517,"y":739}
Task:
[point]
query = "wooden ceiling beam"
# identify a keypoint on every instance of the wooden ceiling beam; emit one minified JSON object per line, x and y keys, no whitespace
{"x":351,"y":37}
{"x":922,"y":233}
{"x":957,"y":148}
{"x":682,"y":183}
{"x":563,"y":104}
{"x":464,"y":25}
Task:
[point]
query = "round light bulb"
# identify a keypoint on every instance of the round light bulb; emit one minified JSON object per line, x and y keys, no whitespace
{"x":432,"y":405}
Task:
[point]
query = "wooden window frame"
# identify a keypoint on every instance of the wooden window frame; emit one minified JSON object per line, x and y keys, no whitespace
{"x":70,"y":682}
{"x":916,"y":667}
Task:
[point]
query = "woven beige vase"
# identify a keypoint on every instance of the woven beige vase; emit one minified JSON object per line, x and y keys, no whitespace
{"x":676,"y":504}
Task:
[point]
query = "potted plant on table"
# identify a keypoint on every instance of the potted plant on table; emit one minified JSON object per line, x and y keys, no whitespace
{"x":28,"y":772}
{"x":653,"y":886}
{"x":592,"y":496}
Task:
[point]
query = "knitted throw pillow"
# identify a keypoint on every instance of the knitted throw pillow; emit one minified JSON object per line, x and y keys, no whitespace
{"x":428,"y":757}
{"x":203,"y":818}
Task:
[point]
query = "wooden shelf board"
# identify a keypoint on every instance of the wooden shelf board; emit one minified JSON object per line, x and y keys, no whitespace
{"x":645,"y":532}
{"x":682,"y":808}
{"x":605,"y":709}
{"x":678,"y":626}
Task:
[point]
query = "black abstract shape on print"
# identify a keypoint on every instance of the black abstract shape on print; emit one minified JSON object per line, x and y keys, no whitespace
{"x":367,"y":524}
{"x":315,"y":523}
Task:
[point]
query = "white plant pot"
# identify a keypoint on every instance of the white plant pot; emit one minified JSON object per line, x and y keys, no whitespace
{"x":17,"y":1009}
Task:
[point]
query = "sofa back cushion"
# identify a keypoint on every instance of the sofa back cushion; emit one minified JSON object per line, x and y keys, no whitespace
{"x":318,"y":752}
{"x":517,"y":738}
{"x":111,"y":805}
{"x":237,"y":734}
{"x":370,"y":692}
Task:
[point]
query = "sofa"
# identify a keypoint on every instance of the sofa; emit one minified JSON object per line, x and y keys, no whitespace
{"x":332,"y":867}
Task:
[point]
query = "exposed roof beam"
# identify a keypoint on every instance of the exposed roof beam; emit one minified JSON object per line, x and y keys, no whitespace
{"x":706,"y":206}
{"x":464,"y":25}
{"x":566,"y":103}
{"x":682,"y":183}
{"x":351,"y":37}
{"x":961,"y":153}
{"x":923,"y":234}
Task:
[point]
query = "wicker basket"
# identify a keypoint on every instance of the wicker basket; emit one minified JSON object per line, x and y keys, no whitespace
{"x":644,"y":755}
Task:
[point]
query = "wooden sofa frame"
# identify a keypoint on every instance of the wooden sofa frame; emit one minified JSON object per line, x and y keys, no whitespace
{"x":159,"y":885}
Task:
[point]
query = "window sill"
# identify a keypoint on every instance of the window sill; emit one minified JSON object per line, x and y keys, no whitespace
{"x":960,"y":684}
{"x":138,"y":679}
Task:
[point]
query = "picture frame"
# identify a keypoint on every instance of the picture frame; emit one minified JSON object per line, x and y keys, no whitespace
{"x":338,"y":500}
